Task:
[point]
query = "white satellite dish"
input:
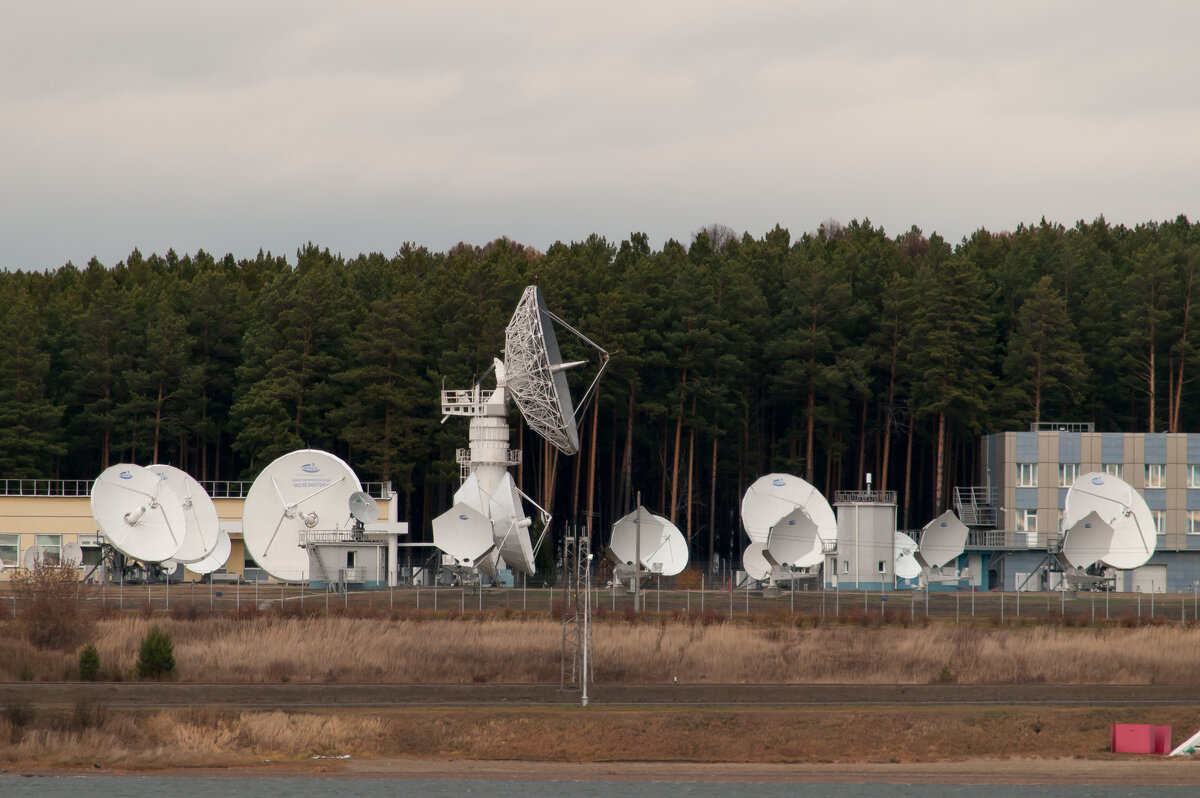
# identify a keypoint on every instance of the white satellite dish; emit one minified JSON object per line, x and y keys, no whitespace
{"x":1117,"y":504}
{"x":755,"y":563}
{"x":775,"y":496}
{"x":510,"y":526}
{"x":533,"y":374}
{"x":216,"y":559}
{"x":72,"y":554}
{"x":904,"y":562}
{"x":942,"y":541}
{"x":793,"y":541}
{"x":139,"y":514}
{"x":662,"y":546}
{"x":301,"y":491}
{"x":170,"y":567}
{"x":465,"y":534}
{"x":199,"y":513}
{"x":1087,"y":541}
{"x":32,"y":556}
{"x":363,"y":507}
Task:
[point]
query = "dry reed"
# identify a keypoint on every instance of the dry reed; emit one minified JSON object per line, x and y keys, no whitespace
{"x":269,"y":648}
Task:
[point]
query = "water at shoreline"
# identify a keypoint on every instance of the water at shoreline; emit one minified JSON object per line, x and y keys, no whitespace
{"x":103,"y":786}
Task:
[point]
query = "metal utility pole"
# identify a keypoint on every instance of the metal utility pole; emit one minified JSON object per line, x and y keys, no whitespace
{"x":637,"y":555}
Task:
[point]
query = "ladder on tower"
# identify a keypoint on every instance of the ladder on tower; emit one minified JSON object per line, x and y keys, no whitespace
{"x":324,"y":569}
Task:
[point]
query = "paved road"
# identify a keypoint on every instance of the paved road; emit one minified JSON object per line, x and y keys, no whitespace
{"x":293,"y":696}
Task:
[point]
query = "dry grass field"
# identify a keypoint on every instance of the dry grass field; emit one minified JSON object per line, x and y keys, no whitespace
{"x":490,"y":649}
{"x":87,"y":736}
{"x":507,"y":647}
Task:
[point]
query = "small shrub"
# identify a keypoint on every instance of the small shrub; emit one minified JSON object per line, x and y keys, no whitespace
{"x":89,"y":663}
{"x":26,"y":673}
{"x":52,"y":615}
{"x":147,"y":610}
{"x":945,"y":675}
{"x":156,"y":659}
{"x":88,"y":714}
{"x":19,"y":714}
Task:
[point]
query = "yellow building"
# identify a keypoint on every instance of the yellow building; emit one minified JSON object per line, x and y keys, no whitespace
{"x":52,"y":514}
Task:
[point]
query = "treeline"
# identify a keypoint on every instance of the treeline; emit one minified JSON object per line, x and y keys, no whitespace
{"x":829,"y":356}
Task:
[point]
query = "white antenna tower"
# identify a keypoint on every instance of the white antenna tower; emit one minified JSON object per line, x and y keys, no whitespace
{"x":533,"y":373}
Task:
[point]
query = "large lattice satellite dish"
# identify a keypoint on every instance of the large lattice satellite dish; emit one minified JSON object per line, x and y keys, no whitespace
{"x":534,"y":375}
{"x":301,"y":491}
{"x":139,"y":514}
{"x":1117,"y":505}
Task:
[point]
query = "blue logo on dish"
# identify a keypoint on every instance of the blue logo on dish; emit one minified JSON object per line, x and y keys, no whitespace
{"x":942,"y":524}
{"x":462,"y":517}
{"x":1097,"y":480}
{"x":778,"y":482}
{"x":792,"y":522}
{"x":126,"y":475}
{"x":310,"y":468}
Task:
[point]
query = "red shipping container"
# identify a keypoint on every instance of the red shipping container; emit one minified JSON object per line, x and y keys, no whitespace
{"x":1141,"y":738}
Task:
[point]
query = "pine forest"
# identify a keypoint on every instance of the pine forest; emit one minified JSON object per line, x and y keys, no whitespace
{"x":828,"y":356}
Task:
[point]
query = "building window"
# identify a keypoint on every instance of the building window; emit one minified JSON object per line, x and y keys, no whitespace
{"x":1026,"y":475}
{"x":845,"y":566}
{"x":1193,"y":522}
{"x":1160,"y":520}
{"x":51,"y":546}
{"x":1113,"y":470}
{"x":349,"y":559}
{"x":1154,"y":475}
{"x":882,"y":567}
{"x":1067,"y":474}
{"x":1194,"y":476}
{"x":1027,"y":521}
{"x":10,"y":550}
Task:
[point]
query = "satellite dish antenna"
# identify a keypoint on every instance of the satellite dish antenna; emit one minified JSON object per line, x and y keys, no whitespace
{"x":905,"y":564}
{"x":170,"y":567}
{"x":663,"y":549}
{"x":511,"y":526}
{"x":139,"y":514}
{"x":1134,"y":535}
{"x":465,"y":534}
{"x":942,"y":541}
{"x":72,"y":555}
{"x":536,"y":374}
{"x":32,"y":556}
{"x":793,"y":541}
{"x":201,"y":524}
{"x":754,"y":562}
{"x":776,"y":496}
{"x":301,"y":491}
{"x":216,"y":559}
{"x":364,"y":509}
{"x":1087,"y":541}
{"x":533,"y":374}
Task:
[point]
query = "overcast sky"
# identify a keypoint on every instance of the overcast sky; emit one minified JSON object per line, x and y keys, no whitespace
{"x":235,"y":126}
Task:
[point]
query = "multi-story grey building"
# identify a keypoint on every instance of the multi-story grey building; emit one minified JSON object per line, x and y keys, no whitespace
{"x":1015,"y":511}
